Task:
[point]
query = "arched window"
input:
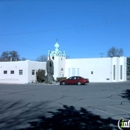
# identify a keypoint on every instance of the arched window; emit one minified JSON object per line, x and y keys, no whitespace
{"x":61,"y":69}
{"x":53,"y":57}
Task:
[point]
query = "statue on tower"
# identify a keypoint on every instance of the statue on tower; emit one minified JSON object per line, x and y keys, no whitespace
{"x":50,"y":71}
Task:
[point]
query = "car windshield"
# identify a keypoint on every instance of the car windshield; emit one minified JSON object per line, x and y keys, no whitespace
{"x":73,"y":77}
{"x":81,"y":77}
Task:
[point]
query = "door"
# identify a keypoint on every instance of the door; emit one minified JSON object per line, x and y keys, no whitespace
{"x":70,"y":80}
{"x":74,"y":80}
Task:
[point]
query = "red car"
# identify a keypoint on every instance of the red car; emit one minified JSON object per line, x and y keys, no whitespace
{"x":74,"y":80}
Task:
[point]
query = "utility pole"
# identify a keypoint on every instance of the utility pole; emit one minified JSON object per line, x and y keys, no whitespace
{"x":101,"y":54}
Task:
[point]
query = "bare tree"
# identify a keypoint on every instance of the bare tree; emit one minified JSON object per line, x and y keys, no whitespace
{"x":9,"y":55}
{"x":14,"y":55}
{"x":5,"y":56}
{"x":23,"y":59}
{"x":128,"y":66}
{"x":114,"y":52}
{"x":120,"y":52}
{"x":42,"y":58}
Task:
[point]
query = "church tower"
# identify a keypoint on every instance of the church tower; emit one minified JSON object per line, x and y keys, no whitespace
{"x":58,"y":58}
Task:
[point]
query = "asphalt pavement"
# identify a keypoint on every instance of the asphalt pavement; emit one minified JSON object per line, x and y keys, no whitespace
{"x":40,"y":106}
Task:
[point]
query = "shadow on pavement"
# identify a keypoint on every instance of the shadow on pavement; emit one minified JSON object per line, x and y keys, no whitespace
{"x":26,"y":116}
{"x":68,"y":118}
{"x":16,"y":115}
{"x":126,"y":94}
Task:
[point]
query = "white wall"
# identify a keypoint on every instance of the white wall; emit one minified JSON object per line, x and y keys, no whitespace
{"x":15,"y":66}
{"x":56,"y":66}
{"x":34,"y":65}
{"x":118,"y":62}
{"x":61,"y":73}
{"x":59,"y":62}
{"x":115,"y":61}
{"x":102,"y":68}
{"x":27,"y":67}
{"x":123,"y":62}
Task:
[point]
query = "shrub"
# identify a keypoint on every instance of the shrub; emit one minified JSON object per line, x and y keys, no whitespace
{"x":60,"y":78}
{"x":128,"y":66}
{"x":40,"y":75}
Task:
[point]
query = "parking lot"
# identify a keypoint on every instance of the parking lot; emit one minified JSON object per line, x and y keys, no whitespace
{"x":38,"y":106}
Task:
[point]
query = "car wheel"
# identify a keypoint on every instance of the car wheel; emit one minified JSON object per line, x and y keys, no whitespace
{"x":79,"y":83}
{"x":63,"y":83}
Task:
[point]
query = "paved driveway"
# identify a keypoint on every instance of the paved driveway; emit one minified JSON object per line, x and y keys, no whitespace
{"x":92,"y":106}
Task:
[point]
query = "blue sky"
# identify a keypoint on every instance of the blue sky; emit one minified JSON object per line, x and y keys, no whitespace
{"x":84,"y":28}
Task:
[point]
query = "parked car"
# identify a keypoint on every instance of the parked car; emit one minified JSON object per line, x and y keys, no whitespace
{"x":75,"y":80}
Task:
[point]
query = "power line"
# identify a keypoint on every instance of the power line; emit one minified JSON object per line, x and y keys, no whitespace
{"x":22,"y":46}
{"x":30,"y":49}
{"x":67,"y":28}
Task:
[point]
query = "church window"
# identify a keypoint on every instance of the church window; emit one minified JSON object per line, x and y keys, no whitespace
{"x":68,"y":72}
{"x":5,"y":71}
{"x":114,"y":71}
{"x":91,"y":72}
{"x":33,"y":72}
{"x":53,"y":57}
{"x":20,"y":72}
{"x":12,"y":72}
{"x":73,"y":71}
{"x":120,"y":71}
{"x":77,"y":71}
{"x":61,"y":69}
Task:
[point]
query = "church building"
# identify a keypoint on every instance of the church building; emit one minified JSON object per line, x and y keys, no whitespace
{"x":95,"y":69}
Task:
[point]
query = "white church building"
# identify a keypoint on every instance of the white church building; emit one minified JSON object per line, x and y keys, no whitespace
{"x":95,"y":69}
